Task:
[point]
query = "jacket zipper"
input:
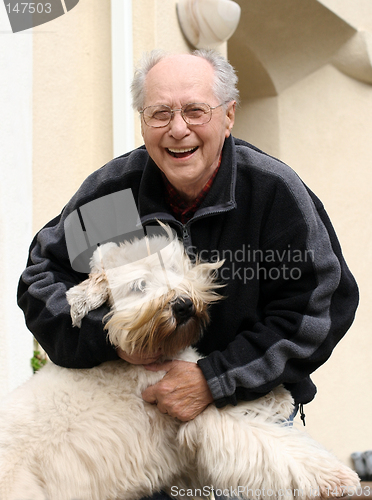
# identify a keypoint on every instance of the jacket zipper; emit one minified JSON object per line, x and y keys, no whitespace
{"x":185,"y":233}
{"x":186,"y":238}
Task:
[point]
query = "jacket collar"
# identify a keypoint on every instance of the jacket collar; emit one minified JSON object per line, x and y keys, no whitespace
{"x":220,"y":198}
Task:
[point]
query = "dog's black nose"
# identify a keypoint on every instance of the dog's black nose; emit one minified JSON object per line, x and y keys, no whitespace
{"x":183,"y":309}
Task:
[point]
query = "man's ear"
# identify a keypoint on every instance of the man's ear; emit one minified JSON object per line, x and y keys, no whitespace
{"x":142,"y":131}
{"x":230,"y":117}
{"x":88,"y":295}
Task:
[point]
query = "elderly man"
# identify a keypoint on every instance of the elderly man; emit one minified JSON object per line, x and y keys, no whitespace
{"x":290,"y":296}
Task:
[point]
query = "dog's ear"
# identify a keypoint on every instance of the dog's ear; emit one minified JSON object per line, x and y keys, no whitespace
{"x":93,"y":292}
{"x":88,"y":295}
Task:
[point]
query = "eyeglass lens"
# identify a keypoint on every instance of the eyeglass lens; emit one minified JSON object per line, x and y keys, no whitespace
{"x":193,"y":114}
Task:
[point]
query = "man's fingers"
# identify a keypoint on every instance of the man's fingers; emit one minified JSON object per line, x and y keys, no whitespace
{"x":182,"y":393}
{"x":149,"y":396}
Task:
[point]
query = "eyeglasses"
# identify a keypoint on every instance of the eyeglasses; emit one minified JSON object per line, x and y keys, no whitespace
{"x":196,"y":113}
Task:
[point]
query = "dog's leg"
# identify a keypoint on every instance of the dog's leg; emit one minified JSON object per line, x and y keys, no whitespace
{"x":88,"y":295}
{"x":257,"y":459}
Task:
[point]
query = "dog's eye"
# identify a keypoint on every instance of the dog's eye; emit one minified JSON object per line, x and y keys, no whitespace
{"x":138,"y":286}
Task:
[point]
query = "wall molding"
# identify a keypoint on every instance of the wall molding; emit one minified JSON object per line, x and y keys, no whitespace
{"x":122,"y":74}
{"x":16,"y":342}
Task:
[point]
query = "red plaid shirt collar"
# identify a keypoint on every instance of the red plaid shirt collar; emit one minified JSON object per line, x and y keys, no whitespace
{"x":180,"y":208}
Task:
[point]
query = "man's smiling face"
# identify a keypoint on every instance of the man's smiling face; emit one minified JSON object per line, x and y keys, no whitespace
{"x":187,"y":154}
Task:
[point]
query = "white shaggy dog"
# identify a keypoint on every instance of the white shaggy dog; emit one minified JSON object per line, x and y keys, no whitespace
{"x":88,"y":435}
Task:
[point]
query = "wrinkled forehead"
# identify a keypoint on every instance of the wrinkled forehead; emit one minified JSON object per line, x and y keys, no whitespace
{"x":180,"y":79}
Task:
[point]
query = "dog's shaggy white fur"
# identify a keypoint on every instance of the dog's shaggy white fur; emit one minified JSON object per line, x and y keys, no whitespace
{"x":88,"y":435}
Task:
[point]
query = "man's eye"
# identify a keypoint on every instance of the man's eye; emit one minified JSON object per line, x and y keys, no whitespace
{"x":194,"y":112}
{"x":160,"y":115}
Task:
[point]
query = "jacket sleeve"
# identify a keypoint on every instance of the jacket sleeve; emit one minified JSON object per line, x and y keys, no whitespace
{"x":302,"y":316}
{"x":42,"y":297}
{"x":48,"y":275}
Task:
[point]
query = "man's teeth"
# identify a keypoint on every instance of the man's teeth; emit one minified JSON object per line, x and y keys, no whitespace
{"x":177,"y":151}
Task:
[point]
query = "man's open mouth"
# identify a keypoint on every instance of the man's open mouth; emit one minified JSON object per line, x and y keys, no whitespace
{"x":181,"y":153}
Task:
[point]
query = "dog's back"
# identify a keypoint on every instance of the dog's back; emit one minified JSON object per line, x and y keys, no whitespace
{"x":85,"y":435}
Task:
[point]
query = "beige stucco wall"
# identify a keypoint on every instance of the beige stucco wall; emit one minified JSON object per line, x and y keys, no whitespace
{"x":314,"y":117}
{"x":72,"y":117}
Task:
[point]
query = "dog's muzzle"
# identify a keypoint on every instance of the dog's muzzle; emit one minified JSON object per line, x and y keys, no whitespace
{"x":183,"y":309}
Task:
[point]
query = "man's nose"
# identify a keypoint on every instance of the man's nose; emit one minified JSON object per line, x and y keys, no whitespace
{"x":178,"y":128}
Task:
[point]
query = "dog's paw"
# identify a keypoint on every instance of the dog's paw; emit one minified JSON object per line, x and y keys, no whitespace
{"x":342,"y":482}
{"x":77,"y":299}
{"x":89,"y":295}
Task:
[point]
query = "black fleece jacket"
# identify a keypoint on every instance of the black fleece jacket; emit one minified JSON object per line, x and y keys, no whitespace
{"x":289,"y":295}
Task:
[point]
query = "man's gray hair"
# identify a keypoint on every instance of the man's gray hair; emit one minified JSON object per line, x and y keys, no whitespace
{"x":225,"y":84}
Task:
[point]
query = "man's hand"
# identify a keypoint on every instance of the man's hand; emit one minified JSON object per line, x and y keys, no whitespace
{"x":182,"y":393}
